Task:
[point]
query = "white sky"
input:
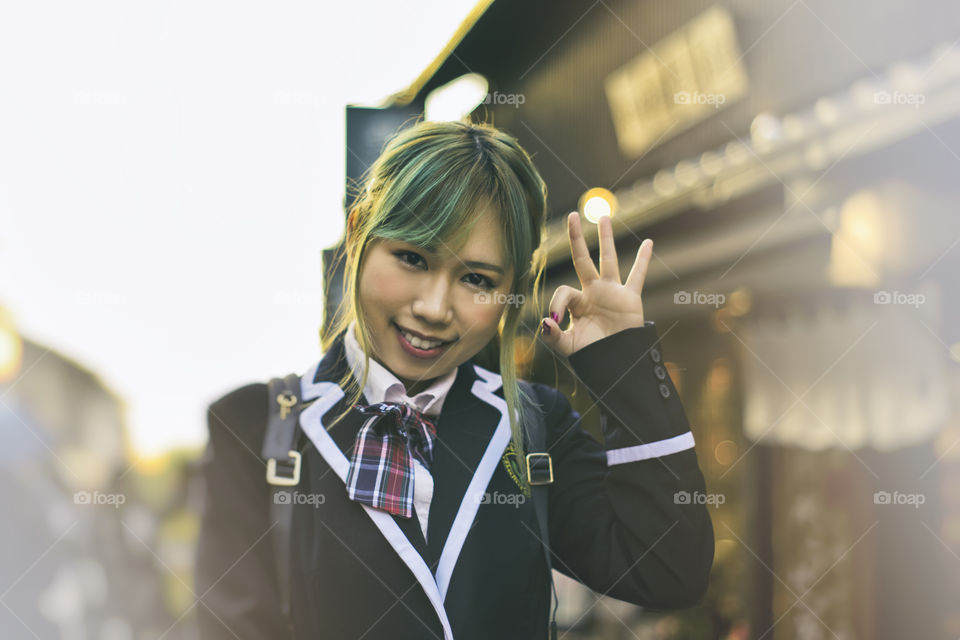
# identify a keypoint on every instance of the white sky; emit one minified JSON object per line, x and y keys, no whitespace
{"x":164,"y":165}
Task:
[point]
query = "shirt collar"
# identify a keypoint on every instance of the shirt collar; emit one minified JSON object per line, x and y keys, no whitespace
{"x":383,"y":386}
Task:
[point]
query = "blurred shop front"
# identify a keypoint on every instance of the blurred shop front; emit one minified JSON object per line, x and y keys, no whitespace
{"x":796,"y":164}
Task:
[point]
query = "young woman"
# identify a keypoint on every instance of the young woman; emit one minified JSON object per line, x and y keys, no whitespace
{"x":436,"y":537}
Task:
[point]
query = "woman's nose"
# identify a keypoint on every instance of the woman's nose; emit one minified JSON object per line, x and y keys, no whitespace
{"x":433,"y":303}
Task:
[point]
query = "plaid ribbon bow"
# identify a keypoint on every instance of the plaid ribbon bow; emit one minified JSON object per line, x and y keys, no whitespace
{"x":381,"y":470}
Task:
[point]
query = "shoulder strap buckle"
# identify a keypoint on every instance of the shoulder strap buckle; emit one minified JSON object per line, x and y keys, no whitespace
{"x":539,"y":468}
{"x":290,"y":480}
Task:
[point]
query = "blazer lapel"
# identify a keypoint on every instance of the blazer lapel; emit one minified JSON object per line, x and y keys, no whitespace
{"x":473,"y":420}
{"x":320,"y":387}
{"x":466,"y":471}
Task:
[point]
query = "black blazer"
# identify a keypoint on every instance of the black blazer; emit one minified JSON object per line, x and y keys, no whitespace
{"x":616,"y":521}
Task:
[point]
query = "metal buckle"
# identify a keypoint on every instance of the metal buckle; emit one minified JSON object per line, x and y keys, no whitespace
{"x":544,"y":475}
{"x":284,"y":481}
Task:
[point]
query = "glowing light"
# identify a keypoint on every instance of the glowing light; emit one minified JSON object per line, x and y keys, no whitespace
{"x":725,"y":452}
{"x":11,"y":348}
{"x":596,"y":203}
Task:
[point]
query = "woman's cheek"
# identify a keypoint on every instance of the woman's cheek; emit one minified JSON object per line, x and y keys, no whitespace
{"x":486,"y":313}
{"x":387,"y":284}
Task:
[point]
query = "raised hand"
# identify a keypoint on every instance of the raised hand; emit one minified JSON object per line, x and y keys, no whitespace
{"x":603,"y":306}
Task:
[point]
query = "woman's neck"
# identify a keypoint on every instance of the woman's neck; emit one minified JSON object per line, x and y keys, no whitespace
{"x":414,"y":387}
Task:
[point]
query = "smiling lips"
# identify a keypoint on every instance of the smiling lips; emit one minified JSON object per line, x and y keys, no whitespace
{"x":418,"y":347}
{"x":421,"y":343}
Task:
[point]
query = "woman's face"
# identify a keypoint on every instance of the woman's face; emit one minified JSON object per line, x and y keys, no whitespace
{"x":456,"y":297}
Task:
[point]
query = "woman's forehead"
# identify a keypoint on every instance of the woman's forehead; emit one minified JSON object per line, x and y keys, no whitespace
{"x":479,"y":243}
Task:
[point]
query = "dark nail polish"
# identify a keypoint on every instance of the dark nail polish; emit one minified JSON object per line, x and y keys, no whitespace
{"x":555,"y":317}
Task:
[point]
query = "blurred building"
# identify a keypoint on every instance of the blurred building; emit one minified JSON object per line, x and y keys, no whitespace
{"x":796,"y":164}
{"x":82,"y":555}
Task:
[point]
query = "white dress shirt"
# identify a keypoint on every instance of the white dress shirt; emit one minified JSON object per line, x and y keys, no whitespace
{"x":383,"y":386}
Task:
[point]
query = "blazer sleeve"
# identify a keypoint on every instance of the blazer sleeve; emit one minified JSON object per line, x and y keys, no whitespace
{"x":624,"y":517}
{"x":235,"y":578}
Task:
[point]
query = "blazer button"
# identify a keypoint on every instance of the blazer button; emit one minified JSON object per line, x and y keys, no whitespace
{"x":655,"y":354}
{"x":664,"y":390}
{"x":660,"y":372}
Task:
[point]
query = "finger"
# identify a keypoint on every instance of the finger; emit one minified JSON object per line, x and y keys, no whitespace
{"x":563,"y":298}
{"x":559,"y":341}
{"x":609,"y":267}
{"x":638,"y":273}
{"x":582,"y":262}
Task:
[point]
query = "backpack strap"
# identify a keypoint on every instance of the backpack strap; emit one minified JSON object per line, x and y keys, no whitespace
{"x":539,"y":468}
{"x":283,"y":459}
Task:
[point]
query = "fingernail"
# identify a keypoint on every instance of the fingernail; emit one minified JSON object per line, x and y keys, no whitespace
{"x":555,"y":317}
{"x":546,"y":327}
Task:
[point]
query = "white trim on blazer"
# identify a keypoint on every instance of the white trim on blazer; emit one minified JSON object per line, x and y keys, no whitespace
{"x":484,"y":389}
{"x":311,"y":421}
{"x":656,"y":449}
{"x":327,"y":394}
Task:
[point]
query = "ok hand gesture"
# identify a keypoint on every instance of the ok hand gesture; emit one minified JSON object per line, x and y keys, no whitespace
{"x":603,"y":306}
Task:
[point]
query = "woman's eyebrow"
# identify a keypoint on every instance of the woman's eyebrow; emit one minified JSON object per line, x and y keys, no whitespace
{"x":484,"y":265}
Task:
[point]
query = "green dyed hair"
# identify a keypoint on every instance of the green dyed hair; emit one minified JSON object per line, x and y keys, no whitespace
{"x":427,"y":188}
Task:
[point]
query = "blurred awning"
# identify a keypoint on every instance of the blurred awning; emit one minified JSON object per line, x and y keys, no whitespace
{"x":848,"y":370}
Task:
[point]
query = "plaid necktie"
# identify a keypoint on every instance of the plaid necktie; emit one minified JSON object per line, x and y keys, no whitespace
{"x":381,"y":470}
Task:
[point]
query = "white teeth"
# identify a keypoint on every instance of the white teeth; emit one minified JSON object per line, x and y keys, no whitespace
{"x":418,"y":343}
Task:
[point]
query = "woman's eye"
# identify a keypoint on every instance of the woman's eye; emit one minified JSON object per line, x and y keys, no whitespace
{"x":404,"y":255}
{"x":413,"y":260}
{"x":484,"y":281}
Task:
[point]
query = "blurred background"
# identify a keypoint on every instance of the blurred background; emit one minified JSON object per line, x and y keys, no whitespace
{"x":163,"y":166}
